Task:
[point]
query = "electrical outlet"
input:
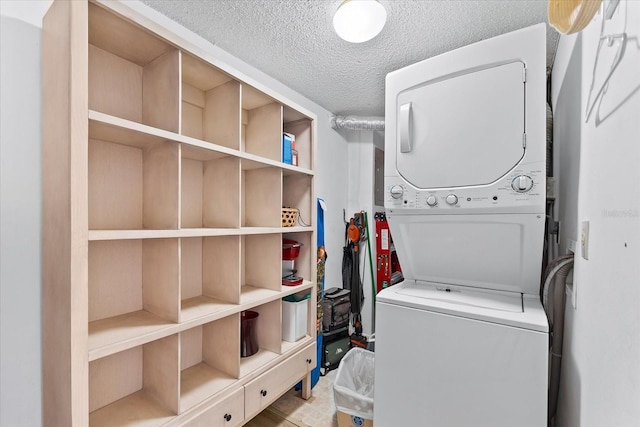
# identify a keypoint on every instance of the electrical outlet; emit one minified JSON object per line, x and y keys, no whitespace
{"x":584,"y":240}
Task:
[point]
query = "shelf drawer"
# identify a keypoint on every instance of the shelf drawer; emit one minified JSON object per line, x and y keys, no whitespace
{"x":228,"y":412}
{"x":265,"y":389}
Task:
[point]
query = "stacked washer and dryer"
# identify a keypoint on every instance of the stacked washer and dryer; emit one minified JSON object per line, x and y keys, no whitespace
{"x":463,"y":341}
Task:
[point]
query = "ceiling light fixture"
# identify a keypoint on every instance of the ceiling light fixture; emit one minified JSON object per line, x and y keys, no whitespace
{"x":357,"y":21}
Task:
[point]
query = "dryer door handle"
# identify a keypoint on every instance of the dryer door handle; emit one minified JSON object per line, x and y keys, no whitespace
{"x":406,"y":123}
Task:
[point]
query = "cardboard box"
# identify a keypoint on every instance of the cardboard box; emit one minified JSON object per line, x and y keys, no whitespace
{"x":346,"y":420}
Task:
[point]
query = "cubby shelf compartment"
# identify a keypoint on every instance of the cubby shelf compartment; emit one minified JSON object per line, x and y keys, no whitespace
{"x":210,"y":273}
{"x":138,"y":386}
{"x":133,"y":291}
{"x":210,"y":103}
{"x":209,"y":360}
{"x":303,"y":261}
{"x":261,"y":124}
{"x":269,"y":335}
{"x":300,"y":125}
{"x":210,"y":196}
{"x":261,"y":266}
{"x":296,"y":193}
{"x":133,"y":179}
{"x":132,"y":73}
{"x":261,"y":196}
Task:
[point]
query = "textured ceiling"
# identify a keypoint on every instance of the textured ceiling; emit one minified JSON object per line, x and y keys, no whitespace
{"x":294,"y":42}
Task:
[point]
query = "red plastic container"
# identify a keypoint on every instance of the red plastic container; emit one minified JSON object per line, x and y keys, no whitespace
{"x":290,"y":249}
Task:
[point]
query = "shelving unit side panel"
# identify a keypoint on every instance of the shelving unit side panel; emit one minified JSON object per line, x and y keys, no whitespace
{"x":264,"y":132}
{"x":221,"y":193}
{"x":64,"y":231}
{"x":221,"y":345}
{"x":161,"y":92}
{"x":192,"y":106}
{"x":115,"y":186}
{"x":115,"y":278}
{"x":161,"y":186}
{"x":115,"y":85}
{"x":191,"y":193}
{"x":263,"y":261}
{"x":221,"y":115}
{"x":190,"y":347}
{"x":190,"y":267}
{"x":114,"y":377}
{"x":221,"y":268}
{"x":161,"y":371}
{"x":161,"y":278}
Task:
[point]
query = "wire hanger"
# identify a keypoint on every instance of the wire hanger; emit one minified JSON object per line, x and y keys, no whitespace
{"x":606,"y":40}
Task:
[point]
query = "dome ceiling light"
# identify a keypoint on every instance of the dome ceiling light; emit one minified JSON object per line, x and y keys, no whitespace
{"x":358,"y":21}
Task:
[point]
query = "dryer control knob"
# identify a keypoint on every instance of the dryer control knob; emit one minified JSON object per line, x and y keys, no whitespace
{"x":432,"y":200}
{"x":397,"y":191}
{"x":452,"y":199}
{"x":522,"y":183}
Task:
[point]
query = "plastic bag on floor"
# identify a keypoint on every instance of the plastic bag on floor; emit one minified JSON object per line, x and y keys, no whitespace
{"x":353,"y":386}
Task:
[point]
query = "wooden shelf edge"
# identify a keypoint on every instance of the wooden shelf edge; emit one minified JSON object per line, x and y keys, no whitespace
{"x":97,"y":235}
{"x":250,"y":159}
{"x":154,"y":328}
{"x":215,"y":382}
{"x":118,"y":412}
{"x":269,"y":295}
{"x":222,"y":310}
{"x":106,"y":348}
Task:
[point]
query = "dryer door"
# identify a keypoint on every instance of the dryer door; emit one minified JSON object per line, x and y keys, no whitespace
{"x":465,"y":128}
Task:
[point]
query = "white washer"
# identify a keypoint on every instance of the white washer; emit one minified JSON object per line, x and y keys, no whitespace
{"x":463,"y":341}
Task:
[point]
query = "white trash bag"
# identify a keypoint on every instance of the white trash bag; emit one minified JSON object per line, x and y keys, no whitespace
{"x":353,"y":386}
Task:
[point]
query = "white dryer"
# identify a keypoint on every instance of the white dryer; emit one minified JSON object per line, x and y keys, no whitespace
{"x":463,"y":341}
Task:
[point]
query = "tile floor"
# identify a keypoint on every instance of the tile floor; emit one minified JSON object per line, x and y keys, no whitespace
{"x":318,"y":411}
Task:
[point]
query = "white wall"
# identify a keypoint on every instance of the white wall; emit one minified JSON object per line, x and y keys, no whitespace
{"x":600,"y":383}
{"x":361,"y":177}
{"x":20,"y":286}
{"x":20,"y":217}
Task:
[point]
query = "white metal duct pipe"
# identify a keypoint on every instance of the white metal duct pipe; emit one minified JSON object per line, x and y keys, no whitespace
{"x":357,"y":123}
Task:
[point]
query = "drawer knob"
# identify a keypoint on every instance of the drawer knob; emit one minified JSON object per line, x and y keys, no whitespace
{"x":227,"y":417}
{"x":263,"y":393}
{"x":309,"y":361}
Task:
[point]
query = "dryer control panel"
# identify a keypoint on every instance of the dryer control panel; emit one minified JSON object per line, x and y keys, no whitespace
{"x":521,"y":190}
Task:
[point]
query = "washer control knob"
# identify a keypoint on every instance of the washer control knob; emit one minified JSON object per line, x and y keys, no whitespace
{"x":452,"y":199}
{"x":522,"y":183}
{"x":397,"y":191}
{"x":432,"y":200}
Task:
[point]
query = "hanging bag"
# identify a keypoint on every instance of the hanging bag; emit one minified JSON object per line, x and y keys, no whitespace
{"x":335,"y":309}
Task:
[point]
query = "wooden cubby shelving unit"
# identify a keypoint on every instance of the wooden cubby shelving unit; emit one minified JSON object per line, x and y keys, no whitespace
{"x":163,"y":187}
